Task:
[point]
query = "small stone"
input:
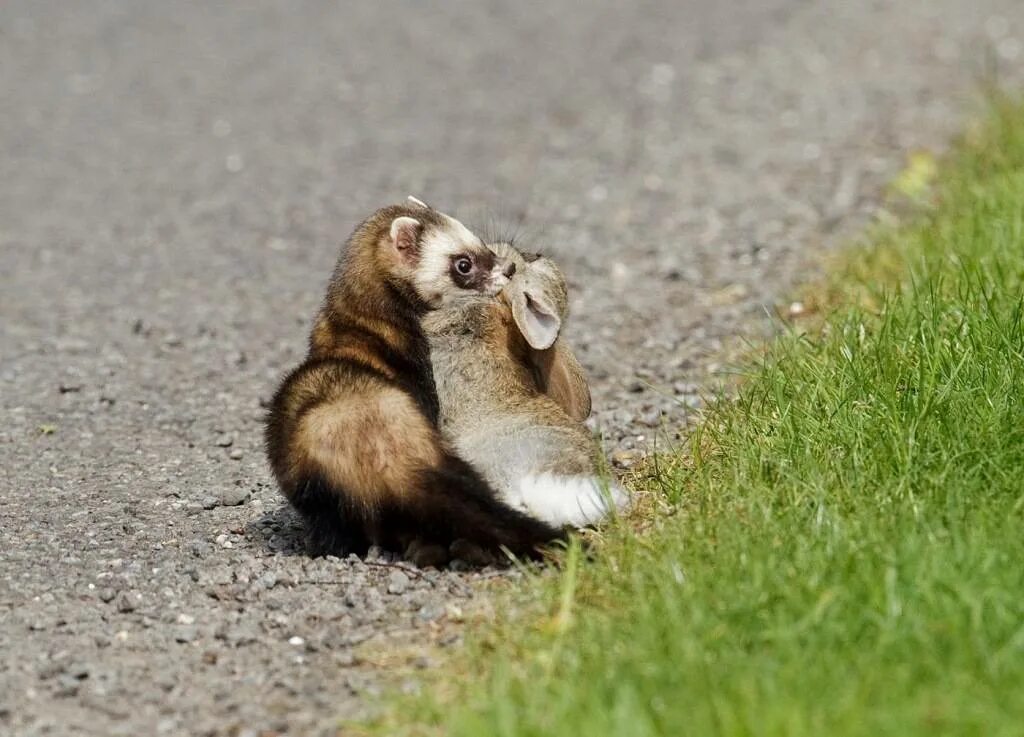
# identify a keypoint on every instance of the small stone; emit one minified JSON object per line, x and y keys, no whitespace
{"x":78,"y":671}
{"x":185,"y":633}
{"x":209,"y":502}
{"x":186,"y":619}
{"x":236,"y":454}
{"x":625,"y":458}
{"x":240,"y":637}
{"x":124,"y":602}
{"x":692,"y":401}
{"x":651,"y":417}
{"x":296,"y":641}
{"x":199,"y":548}
{"x":398,"y":582}
{"x":685,"y":387}
{"x":267,"y":581}
{"x":221,"y":128}
{"x":429,"y":613}
{"x":67,"y":686}
{"x":234,"y":163}
{"x":224,"y":440}
{"x":232,"y":496}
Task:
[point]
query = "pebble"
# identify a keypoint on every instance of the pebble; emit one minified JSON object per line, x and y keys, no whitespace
{"x":236,"y":454}
{"x":625,"y":458}
{"x":185,"y":633}
{"x":199,"y":548}
{"x":691,"y":401}
{"x":67,"y":686}
{"x":428,"y":613}
{"x":267,"y":581}
{"x":78,"y":671}
{"x":124,"y":602}
{"x":232,"y":496}
{"x":228,"y":496}
{"x":398,"y":582}
{"x":651,"y":417}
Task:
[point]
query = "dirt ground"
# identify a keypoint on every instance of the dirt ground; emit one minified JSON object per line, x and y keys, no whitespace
{"x":177,"y":178}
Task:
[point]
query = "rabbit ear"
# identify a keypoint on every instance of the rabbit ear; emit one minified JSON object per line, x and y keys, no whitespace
{"x":567,"y":383}
{"x":536,"y":319}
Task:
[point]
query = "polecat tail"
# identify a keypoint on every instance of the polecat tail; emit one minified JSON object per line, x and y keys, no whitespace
{"x":454,"y":501}
{"x":445,"y":503}
{"x":568,"y":500}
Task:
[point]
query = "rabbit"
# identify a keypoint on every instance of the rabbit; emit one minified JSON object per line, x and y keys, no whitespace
{"x":513,"y":397}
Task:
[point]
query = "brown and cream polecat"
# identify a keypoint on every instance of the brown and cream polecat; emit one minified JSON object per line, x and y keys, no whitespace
{"x":352,"y":433}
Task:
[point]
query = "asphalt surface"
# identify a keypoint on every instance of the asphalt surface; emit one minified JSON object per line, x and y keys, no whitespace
{"x":176,"y":180}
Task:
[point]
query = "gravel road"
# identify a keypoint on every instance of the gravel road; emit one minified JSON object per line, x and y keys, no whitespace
{"x":176,"y":180}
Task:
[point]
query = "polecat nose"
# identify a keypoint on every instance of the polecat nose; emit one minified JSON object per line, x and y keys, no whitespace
{"x":510,"y":270}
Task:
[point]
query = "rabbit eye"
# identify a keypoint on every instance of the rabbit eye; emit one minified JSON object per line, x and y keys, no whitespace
{"x":463,"y":265}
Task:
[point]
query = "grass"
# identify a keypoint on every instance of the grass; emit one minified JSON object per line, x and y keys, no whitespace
{"x":841,"y":551}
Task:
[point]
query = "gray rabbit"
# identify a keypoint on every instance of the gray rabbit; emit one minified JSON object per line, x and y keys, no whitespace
{"x":513,"y":396}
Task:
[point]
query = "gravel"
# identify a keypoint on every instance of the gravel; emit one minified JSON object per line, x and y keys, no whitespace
{"x":177,"y":179}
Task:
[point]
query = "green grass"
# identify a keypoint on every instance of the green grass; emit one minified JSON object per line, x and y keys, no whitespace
{"x":841,"y":551}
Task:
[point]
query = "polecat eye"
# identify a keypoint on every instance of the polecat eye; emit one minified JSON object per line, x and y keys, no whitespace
{"x":463,"y":265}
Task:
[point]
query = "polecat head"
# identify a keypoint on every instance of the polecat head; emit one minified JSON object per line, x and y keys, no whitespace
{"x":440,"y":258}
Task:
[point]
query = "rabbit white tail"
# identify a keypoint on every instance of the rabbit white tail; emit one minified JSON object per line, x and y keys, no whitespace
{"x":578,"y":501}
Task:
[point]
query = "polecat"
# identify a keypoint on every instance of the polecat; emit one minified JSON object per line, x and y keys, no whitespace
{"x":352,"y":433}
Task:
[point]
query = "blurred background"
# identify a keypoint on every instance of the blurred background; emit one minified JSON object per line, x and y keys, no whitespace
{"x":177,"y":178}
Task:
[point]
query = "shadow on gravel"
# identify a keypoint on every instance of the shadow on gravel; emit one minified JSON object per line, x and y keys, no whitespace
{"x":280,"y":530}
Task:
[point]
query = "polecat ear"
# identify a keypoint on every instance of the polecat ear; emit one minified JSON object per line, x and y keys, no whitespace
{"x":405,"y":232}
{"x":417,"y":202}
{"x":537,"y":320}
